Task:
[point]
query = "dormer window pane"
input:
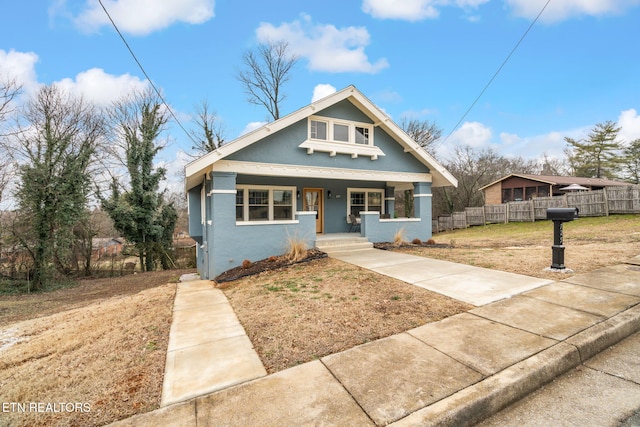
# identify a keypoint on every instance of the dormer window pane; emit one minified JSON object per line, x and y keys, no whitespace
{"x":341,"y":133}
{"x":362,"y":135}
{"x":318,"y":130}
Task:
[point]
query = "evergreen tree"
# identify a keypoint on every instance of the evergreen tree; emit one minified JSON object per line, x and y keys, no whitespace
{"x":599,"y":155}
{"x":140,"y":213}
{"x":632,"y":161}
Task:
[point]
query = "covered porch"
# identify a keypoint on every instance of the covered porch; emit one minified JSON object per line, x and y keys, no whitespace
{"x":257,"y":216}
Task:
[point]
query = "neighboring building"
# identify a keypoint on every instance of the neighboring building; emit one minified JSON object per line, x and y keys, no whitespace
{"x":106,"y":246}
{"x":518,"y":187}
{"x":305,"y":174}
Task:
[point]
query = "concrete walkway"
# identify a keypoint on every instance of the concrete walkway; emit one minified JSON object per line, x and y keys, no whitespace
{"x":208,"y":347}
{"x":475,"y":285}
{"x":454,"y":372}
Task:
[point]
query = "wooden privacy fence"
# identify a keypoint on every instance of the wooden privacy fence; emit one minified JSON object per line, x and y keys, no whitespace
{"x":610,"y":200}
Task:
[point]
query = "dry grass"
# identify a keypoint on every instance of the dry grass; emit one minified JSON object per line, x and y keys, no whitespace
{"x":325,"y":306}
{"x":109,"y":355}
{"x":525,"y":248}
{"x":102,"y":343}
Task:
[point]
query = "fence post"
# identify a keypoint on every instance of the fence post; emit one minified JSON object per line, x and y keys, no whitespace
{"x":506,"y":216}
{"x":533,"y":211}
{"x":606,"y":201}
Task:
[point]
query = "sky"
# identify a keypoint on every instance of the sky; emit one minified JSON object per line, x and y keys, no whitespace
{"x":576,"y":66}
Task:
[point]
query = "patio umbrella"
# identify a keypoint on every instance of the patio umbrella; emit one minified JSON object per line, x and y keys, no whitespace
{"x":574,"y":187}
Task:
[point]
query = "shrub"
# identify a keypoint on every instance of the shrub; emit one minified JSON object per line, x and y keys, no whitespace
{"x":246,"y":263}
{"x":431,"y":242}
{"x":416,"y":241}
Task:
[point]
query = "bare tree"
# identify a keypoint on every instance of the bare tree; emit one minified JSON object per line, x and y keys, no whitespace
{"x":9,"y":89}
{"x":267,"y":70}
{"x":210,"y":133}
{"x":424,"y":132}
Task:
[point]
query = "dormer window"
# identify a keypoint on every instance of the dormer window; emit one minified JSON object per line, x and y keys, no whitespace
{"x":339,"y":136}
{"x":326,"y":129}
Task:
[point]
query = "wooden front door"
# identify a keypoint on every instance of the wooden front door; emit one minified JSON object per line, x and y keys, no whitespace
{"x":313,"y":199}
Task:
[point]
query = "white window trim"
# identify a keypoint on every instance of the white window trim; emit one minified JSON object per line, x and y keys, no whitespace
{"x":330,"y":131}
{"x":366,"y":198}
{"x":271,"y":189}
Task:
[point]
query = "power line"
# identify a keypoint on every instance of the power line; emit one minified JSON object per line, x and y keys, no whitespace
{"x":145,"y":73}
{"x":498,"y":71}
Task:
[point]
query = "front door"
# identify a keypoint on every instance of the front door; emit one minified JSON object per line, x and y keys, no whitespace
{"x":313,"y":198}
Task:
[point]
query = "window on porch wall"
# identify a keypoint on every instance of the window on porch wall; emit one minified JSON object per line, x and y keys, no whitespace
{"x":258,"y":205}
{"x":264,"y":203}
{"x":365,"y":200}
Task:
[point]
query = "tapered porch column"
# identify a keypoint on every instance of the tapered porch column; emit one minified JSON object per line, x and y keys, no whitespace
{"x":422,"y":203}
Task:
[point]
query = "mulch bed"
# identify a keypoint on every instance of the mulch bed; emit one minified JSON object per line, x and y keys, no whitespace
{"x":387,"y":246}
{"x":267,"y":264}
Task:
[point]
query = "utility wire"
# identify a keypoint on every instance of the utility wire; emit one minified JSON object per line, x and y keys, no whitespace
{"x":145,"y":74}
{"x":498,"y":71}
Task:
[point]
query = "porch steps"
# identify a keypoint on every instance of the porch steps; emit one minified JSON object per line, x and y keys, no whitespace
{"x":342,"y":243}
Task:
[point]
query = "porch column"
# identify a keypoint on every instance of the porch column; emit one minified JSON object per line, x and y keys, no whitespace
{"x":222,"y":221}
{"x":390,"y":201}
{"x":422,"y":206}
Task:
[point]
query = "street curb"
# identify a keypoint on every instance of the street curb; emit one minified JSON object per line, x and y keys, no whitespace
{"x":607,"y":333}
{"x":489,"y":396}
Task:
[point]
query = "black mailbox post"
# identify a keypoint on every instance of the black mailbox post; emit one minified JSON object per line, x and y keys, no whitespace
{"x":559,"y":216}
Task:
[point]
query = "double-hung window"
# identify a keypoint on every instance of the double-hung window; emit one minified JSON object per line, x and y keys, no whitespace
{"x":264,"y":203}
{"x":364,"y":199}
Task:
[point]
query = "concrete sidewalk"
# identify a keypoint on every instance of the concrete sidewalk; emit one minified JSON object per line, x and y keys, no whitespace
{"x":454,"y":372}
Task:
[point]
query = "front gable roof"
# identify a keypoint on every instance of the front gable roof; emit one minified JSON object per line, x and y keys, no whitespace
{"x":440,"y":176}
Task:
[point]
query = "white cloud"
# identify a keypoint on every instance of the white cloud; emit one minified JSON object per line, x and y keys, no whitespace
{"x":326,"y":47}
{"x":566,"y":9}
{"x":322,"y":91}
{"x":174,"y":181}
{"x":19,"y":66}
{"x":101,"y":88}
{"x":409,"y":10}
{"x":251,"y":126}
{"x":629,"y":122}
{"x":473,"y":134}
{"x":414,"y":10}
{"x":141,"y":17}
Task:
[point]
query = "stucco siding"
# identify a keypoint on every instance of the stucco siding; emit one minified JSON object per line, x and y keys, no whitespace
{"x":282,"y":148}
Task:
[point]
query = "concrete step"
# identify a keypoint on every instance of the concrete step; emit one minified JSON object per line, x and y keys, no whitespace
{"x":343,"y":243}
{"x":346,"y":248}
{"x":336,"y":241}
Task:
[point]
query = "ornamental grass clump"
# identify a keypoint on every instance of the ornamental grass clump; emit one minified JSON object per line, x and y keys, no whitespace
{"x":297,"y":249}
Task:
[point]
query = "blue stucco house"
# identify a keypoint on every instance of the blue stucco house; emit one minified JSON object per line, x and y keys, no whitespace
{"x":303,"y":175}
